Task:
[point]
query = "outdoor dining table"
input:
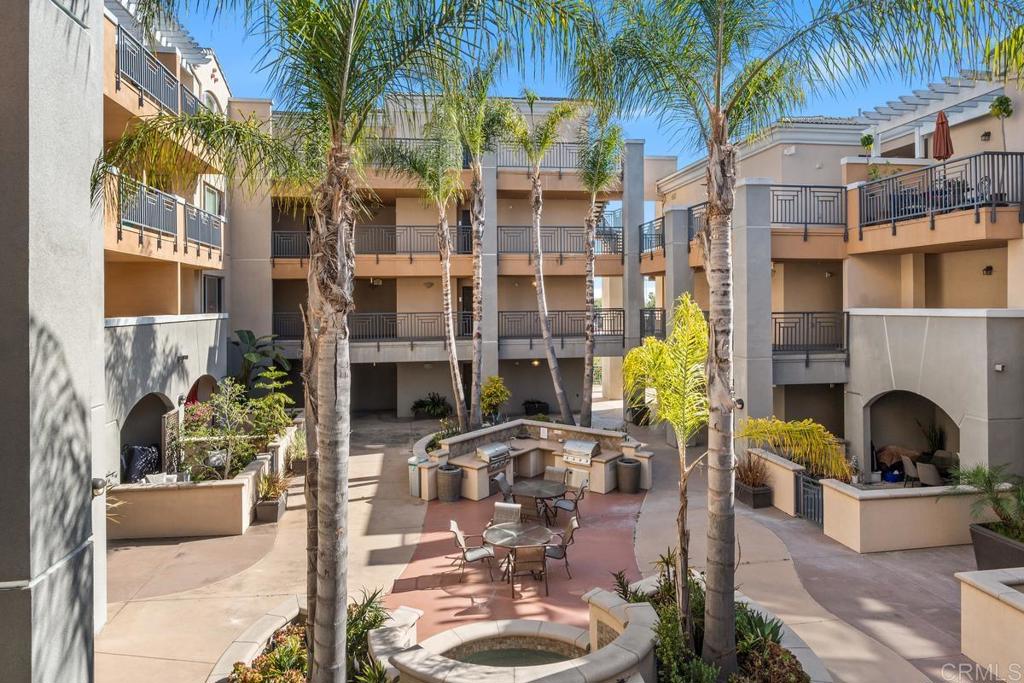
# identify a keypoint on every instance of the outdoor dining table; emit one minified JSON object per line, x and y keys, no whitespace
{"x":539,"y":489}
{"x":515,"y":535}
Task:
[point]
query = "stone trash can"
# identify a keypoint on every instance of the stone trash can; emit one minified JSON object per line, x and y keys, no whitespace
{"x":449,"y":483}
{"x":627,"y":473}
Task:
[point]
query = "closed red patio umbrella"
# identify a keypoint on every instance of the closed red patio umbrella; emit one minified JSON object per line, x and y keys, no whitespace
{"x":942,"y":144}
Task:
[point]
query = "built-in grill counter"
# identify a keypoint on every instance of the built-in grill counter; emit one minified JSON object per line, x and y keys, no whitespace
{"x":523,"y":448}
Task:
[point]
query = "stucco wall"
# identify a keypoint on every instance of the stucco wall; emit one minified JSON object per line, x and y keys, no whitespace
{"x":822,"y":403}
{"x":804,"y":286}
{"x":133,"y":289}
{"x":956,"y":280}
{"x":871,"y":281}
{"x":519,"y":294}
{"x":950,"y":357}
{"x":517,"y":211}
{"x":529,"y":382}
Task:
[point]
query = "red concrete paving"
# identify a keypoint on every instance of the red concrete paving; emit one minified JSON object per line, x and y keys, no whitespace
{"x":603,"y":544}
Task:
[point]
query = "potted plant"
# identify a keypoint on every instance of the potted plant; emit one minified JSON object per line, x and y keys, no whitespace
{"x":867,"y":141}
{"x":493,"y":395}
{"x":273,"y":497}
{"x":532,"y":406}
{"x":434,"y":406}
{"x":752,"y":482}
{"x":998,"y":544}
{"x":297,"y":453}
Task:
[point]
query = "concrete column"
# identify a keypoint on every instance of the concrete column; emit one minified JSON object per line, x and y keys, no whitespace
{"x":52,"y":569}
{"x":918,"y":144}
{"x":912,"y":283}
{"x":632,"y":217}
{"x":250,"y":295}
{"x":1015,"y":273}
{"x":678,"y":274}
{"x":752,"y":297}
{"x":611,"y":366}
{"x":489,"y":322}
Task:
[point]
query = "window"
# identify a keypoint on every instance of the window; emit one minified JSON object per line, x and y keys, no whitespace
{"x":213,"y":294}
{"x":211,"y":103}
{"x":213,"y":200}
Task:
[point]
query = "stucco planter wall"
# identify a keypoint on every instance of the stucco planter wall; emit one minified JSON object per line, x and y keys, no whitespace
{"x":992,"y":620}
{"x":781,"y":478}
{"x":876,"y":520}
{"x":209,"y":508}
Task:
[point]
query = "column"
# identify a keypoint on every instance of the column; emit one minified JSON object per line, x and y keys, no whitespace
{"x":752,"y":297}
{"x":52,"y":568}
{"x":1015,"y":273}
{"x":912,"y":282}
{"x":632,"y":217}
{"x":678,"y":274}
{"x":489,"y":322}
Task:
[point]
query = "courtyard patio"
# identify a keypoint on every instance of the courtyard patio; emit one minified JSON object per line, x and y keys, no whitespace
{"x":177,"y":605}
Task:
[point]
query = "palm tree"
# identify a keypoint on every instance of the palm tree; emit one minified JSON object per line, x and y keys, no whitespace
{"x":339,"y":68}
{"x":675,"y":369}
{"x":480,"y":122}
{"x":535,"y":137}
{"x":724,"y":69}
{"x":435,"y":167}
{"x":598,"y":163}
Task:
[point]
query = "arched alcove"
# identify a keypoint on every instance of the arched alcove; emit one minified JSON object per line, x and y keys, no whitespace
{"x":142,"y":426}
{"x":901,"y":419}
{"x":202,"y":389}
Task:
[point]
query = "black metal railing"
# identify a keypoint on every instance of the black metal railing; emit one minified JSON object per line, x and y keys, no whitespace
{"x":289,"y":244}
{"x":698,"y":220}
{"x":557,"y":239}
{"x":190,"y":104}
{"x":817,"y":331}
{"x":426,"y":326}
{"x":652,"y":235}
{"x":147,"y":208}
{"x":652,"y":322}
{"x":608,"y":322}
{"x":809,"y":205}
{"x":143,"y":70}
{"x":562,"y":156}
{"x":409,"y":239}
{"x":288,"y":326}
{"x":984,"y":180}
{"x":203,"y":227}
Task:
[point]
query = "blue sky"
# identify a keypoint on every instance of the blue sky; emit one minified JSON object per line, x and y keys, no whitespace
{"x":238,"y":54}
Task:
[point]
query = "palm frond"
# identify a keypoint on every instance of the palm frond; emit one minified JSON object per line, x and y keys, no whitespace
{"x":600,"y":155}
{"x":435,"y":165}
{"x":805,"y":442}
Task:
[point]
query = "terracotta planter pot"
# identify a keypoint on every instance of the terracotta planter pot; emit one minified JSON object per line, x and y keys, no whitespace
{"x":992,"y":550}
{"x":271,"y":510}
{"x":754,"y":496}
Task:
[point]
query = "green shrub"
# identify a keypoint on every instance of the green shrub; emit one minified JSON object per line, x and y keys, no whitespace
{"x":493,"y":395}
{"x":297,"y":449}
{"x":364,"y":615}
{"x":773,"y":664}
{"x":1002,"y":493}
{"x":754,"y":630}
{"x":434,"y":405}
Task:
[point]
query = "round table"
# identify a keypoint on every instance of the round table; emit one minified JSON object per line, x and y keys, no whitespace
{"x":512,"y":535}
{"x":541,"y":489}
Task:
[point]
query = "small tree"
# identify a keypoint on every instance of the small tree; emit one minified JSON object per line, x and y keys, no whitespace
{"x":256,"y":353}
{"x":867,"y":141}
{"x":268,"y":412}
{"x":493,"y":396}
{"x":1002,"y":109}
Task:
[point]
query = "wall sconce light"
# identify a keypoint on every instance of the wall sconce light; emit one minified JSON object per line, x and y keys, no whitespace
{"x":986,"y":136}
{"x":515,"y":283}
{"x":376,"y":282}
{"x":987,"y":270}
{"x":428,"y":284}
{"x":427,"y":366}
{"x":828,"y":274}
{"x":534,"y":283}
{"x":535,"y":363}
{"x":182,"y":358}
{"x":999,"y":367}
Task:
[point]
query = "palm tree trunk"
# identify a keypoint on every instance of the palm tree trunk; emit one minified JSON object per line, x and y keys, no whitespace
{"x":332,"y":259}
{"x":444,"y":245}
{"x":537,"y":199}
{"x":719,"y":614}
{"x":588,"y":341}
{"x":476,"y":211}
{"x":683,"y":556}
{"x":309,"y":345}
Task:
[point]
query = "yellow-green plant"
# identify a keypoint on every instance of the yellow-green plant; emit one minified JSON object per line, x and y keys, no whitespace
{"x":805,"y":442}
{"x":493,"y":395}
{"x":674,"y":371}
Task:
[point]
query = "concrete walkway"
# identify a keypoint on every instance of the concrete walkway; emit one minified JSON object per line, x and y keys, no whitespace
{"x":176,"y":605}
{"x":880,"y":617}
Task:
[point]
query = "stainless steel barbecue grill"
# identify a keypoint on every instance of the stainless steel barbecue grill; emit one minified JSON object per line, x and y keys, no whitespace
{"x":496,"y":455}
{"x":579,"y":452}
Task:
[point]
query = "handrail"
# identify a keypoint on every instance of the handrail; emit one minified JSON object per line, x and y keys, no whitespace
{"x":406,"y":326}
{"x":810,"y":331}
{"x":409,"y":239}
{"x":557,"y":239}
{"x":144,"y":71}
{"x":289,"y":244}
{"x":561,"y":156}
{"x":203,"y":227}
{"x":652,"y":322}
{"x":652,"y":235}
{"x":190,"y":104}
{"x":985,"y":179}
{"x":146,"y":208}
{"x":608,"y":322}
{"x":698,"y":220}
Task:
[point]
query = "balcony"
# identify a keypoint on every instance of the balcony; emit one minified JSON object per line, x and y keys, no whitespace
{"x":652,"y":236}
{"x":958,"y":202}
{"x":608,"y":322}
{"x":143,"y":71}
{"x":810,"y":347}
{"x":158,"y":218}
{"x":383,"y":327}
{"x":558,"y":239}
{"x":652,"y":322}
{"x":563,"y":156}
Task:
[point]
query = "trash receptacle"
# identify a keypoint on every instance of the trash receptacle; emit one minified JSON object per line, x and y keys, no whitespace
{"x":414,"y":477}
{"x":449,"y":483}
{"x":627,"y":472}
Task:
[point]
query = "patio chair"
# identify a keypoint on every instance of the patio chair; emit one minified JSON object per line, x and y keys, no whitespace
{"x":909,"y":471}
{"x":928,"y":474}
{"x":470,"y":553}
{"x":532,"y":509}
{"x":556,"y":473}
{"x":532,"y":561}
{"x":503,"y":486}
{"x":560,"y":550}
{"x":571,"y":501}
{"x":505,"y":513}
